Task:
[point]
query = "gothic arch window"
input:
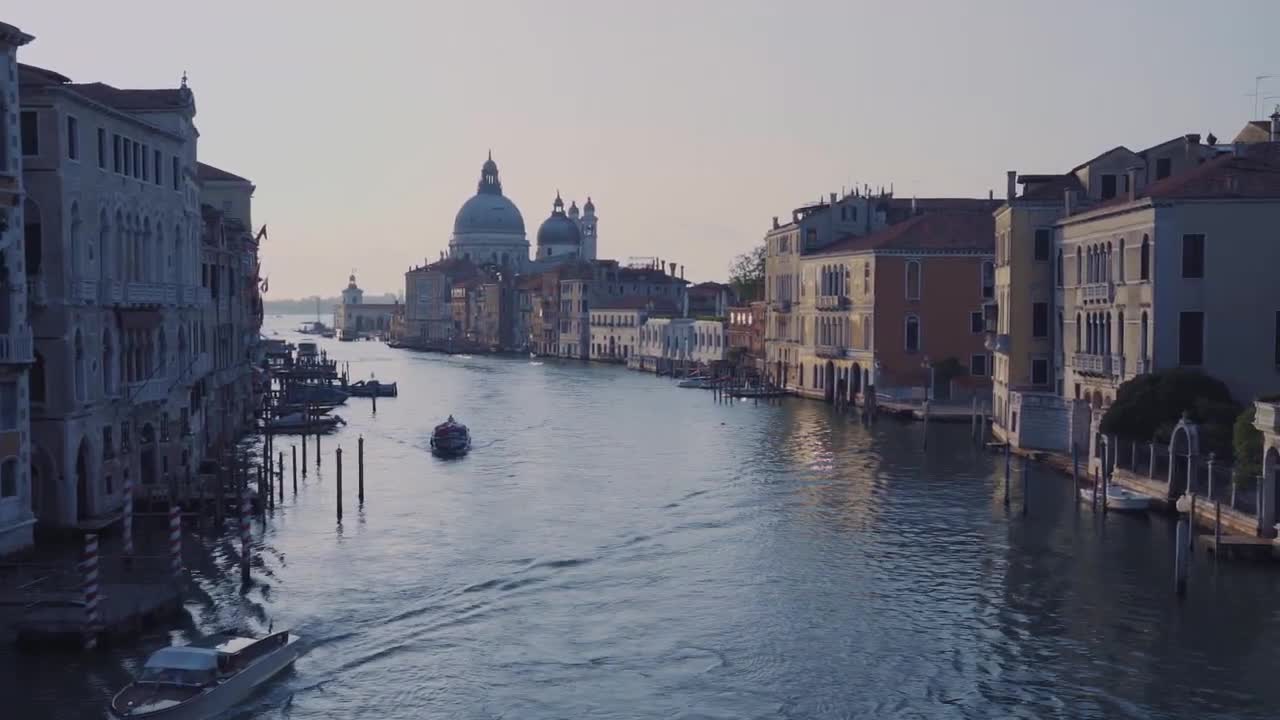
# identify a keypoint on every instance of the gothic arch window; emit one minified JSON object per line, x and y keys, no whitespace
{"x":1079,"y":332}
{"x":1120,"y":269}
{"x":108,"y":363}
{"x":1079,"y":266}
{"x":1059,"y":267}
{"x":1142,"y":338}
{"x":1144,"y":259}
{"x":82,"y":383}
{"x":1120,"y":332}
{"x":912,"y":334}
{"x":913,"y":279}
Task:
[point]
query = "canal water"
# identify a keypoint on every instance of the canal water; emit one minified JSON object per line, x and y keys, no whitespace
{"x":616,"y":547}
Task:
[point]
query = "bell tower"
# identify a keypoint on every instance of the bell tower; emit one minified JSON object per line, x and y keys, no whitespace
{"x":588,"y":225}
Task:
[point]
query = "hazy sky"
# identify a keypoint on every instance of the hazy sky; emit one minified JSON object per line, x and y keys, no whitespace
{"x":364,"y":124}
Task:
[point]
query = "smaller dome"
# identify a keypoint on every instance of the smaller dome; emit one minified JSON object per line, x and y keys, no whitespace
{"x":590,"y":206}
{"x":558,"y":229}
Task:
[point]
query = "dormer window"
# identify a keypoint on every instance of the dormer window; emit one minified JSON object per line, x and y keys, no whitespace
{"x":1108,"y":187}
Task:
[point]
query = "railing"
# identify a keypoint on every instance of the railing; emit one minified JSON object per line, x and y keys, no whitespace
{"x":189,"y":296}
{"x":84,"y":291}
{"x":143,"y":293}
{"x":1142,"y":366}
{"x":1117,"y":365}
{"x":831,"y":351}
{"x":781,"y":305}
{"x":1099,"y":292}
{"x":154,"y":390}
{"x":1092,"y":364}
{"x":833,"y":302}
{"x":17,"y":348}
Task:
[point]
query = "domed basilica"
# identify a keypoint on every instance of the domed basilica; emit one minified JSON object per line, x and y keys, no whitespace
{"x":490,"y":229}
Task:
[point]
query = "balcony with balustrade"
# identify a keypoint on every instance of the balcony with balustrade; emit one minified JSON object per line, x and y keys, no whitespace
{"x":148,"y":294}
{"x":1088,"y":364}
{"x":831,"y":352}
{"x":1097,"y":293}
{"x":111,"y":293}
{"x":832,"y":302}
{"x":1117,"y":366}
{"x":84,"y":292}
{"x":17,"y":347}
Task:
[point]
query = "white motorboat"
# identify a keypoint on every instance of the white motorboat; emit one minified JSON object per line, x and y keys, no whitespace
{"x":1119,"y":499}
{"x":205,"y":678}
{"x":696,"y":381}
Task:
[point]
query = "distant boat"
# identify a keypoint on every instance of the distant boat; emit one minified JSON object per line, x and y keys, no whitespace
{"x":298,"y":422}
{"x":450,"y":439}
{"x":697,"y":381}
{"x":204,"y":679}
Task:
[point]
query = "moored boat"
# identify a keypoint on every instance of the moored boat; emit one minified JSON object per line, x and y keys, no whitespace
{"x":205,"y":678}
{"x":450,"y":438}
{"x":296,"y":422}
{"x":1119,"y":499}
{"x":695,"y":381}
{"x":369,"y":388}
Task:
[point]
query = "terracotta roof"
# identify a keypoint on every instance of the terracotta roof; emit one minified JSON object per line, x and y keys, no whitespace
{"x":945,"y":204}
{"x":120,"y":99}
{"x":209,"y":172}
{"x":1253,"y":174}
{"x":932,"y":231}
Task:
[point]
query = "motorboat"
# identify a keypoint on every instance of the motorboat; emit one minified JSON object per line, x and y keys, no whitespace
{"x":298,"y":422}
{"x":695,"y":381}
{"x":205,"y":678}
{"x":450,"y":438}
{"x":1120,"y":499}
{"x":319,"y":394}
{"x":370,"y":388}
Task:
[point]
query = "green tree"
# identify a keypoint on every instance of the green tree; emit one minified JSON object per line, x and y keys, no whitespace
{"x":1247,"y":443}
{"x":1149,"y":406}
{"x":746,"y":274}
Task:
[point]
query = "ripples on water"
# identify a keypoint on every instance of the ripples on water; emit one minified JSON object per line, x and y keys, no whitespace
{"x":616,"y":547}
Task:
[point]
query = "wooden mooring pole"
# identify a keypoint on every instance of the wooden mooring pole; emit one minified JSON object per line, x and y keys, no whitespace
{"x":89,"y":589}
{"x":1180,"y":556}
{"x":1075,"y":472}
{"x":317,"y":448}
{"x":338,"y":455}
{"x":360,"y":469}
{"x":304,"y":453}
{"x":1006,"y":472}
{"x":1026,"y":486}
{"x":1217,"y":529}
{"x":245,"y":536}
{"x":293,"y":465}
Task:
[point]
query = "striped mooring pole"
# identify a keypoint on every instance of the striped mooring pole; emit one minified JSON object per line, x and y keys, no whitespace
{"x":128,"y":516}
{"x":245,"y":537}
{"x":89,"y":588}
{"x":175,"y":541}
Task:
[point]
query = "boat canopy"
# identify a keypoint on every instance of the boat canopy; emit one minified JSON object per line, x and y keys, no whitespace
{"x":183,"y":658}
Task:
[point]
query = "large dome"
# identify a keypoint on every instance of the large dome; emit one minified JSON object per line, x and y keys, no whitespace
{"x":486,"y":213}
{"x":559,"y":229}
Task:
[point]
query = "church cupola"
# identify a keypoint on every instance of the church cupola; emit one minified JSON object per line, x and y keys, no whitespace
{"x":489,"y":183}
{"x":573,"y":210}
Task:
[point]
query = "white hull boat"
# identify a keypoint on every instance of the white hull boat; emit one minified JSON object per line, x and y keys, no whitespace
{"x":695,"y":382}
{"x":1119,"y":499}
{"x":203,"y":679}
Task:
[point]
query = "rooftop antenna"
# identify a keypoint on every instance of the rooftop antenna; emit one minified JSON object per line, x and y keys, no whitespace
{"x":184,"y":78}
{"x":1257,"y":81}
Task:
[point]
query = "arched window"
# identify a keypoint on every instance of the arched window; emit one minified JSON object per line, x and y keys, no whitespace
{"x":1142,"y":339}
{"x":179,"y":257}
{"x":1120,"y":267}
{"x":1108,"y":271}
{"x":1079,"y":332}
{"x":866,"y":277}
{"x":1079,"y":266}
{"x":1059,"y":267}
{"x":32,"y":236}
{"x":913,"y":279}
{"x":912,"y":334}
{"x":108,"y":363}
{"x":104,"y":246}
{"x":82,"y":384}
{"x":1144,"y":259}
{"x":1120,"y":332}
{"x":1106,"y":334}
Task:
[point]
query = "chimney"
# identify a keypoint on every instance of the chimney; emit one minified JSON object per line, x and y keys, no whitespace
{"x":775,"y":222}
{"x":681,"y":272}
{"x":991,"y":194}
{"x":1191,"y":142}
{"x":833,"y":198}
{"x":1011,"y":184}
{"x":1275,"y":125}
{"x":1068,"y":202}
{"x":1133,"y":184}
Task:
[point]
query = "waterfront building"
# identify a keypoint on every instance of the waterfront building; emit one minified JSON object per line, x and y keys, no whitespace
{"x":111,"y":227}
{"x":745,"y":338}
{"x":890,"y":307}
{"x":428,"y":312}
{"x":353,"y":318}
{"x":1175,"y":273}
{"x":813,"y":228}
{"x":1025,"y":317}
{"x":17,"y":515}
{"x":708,"y":343}
{"x":616,"y":323}
{"x":665,"y":345}
{"x":226,"y":394}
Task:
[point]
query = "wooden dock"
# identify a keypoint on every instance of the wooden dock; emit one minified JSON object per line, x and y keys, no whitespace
{"x":57,"y":618}
{"x":1238,"y":545}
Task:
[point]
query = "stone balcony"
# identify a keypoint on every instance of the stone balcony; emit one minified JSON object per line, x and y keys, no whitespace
{"x":831,"y":352}
{"x":145,"y":293}
{"x":1091,"y":364}
{"x":1097,"y":293}
{"x":17,"y":348}
{"x":1117,"y":365}
{"x":832,"y":302}
{"x":84,"y":291}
